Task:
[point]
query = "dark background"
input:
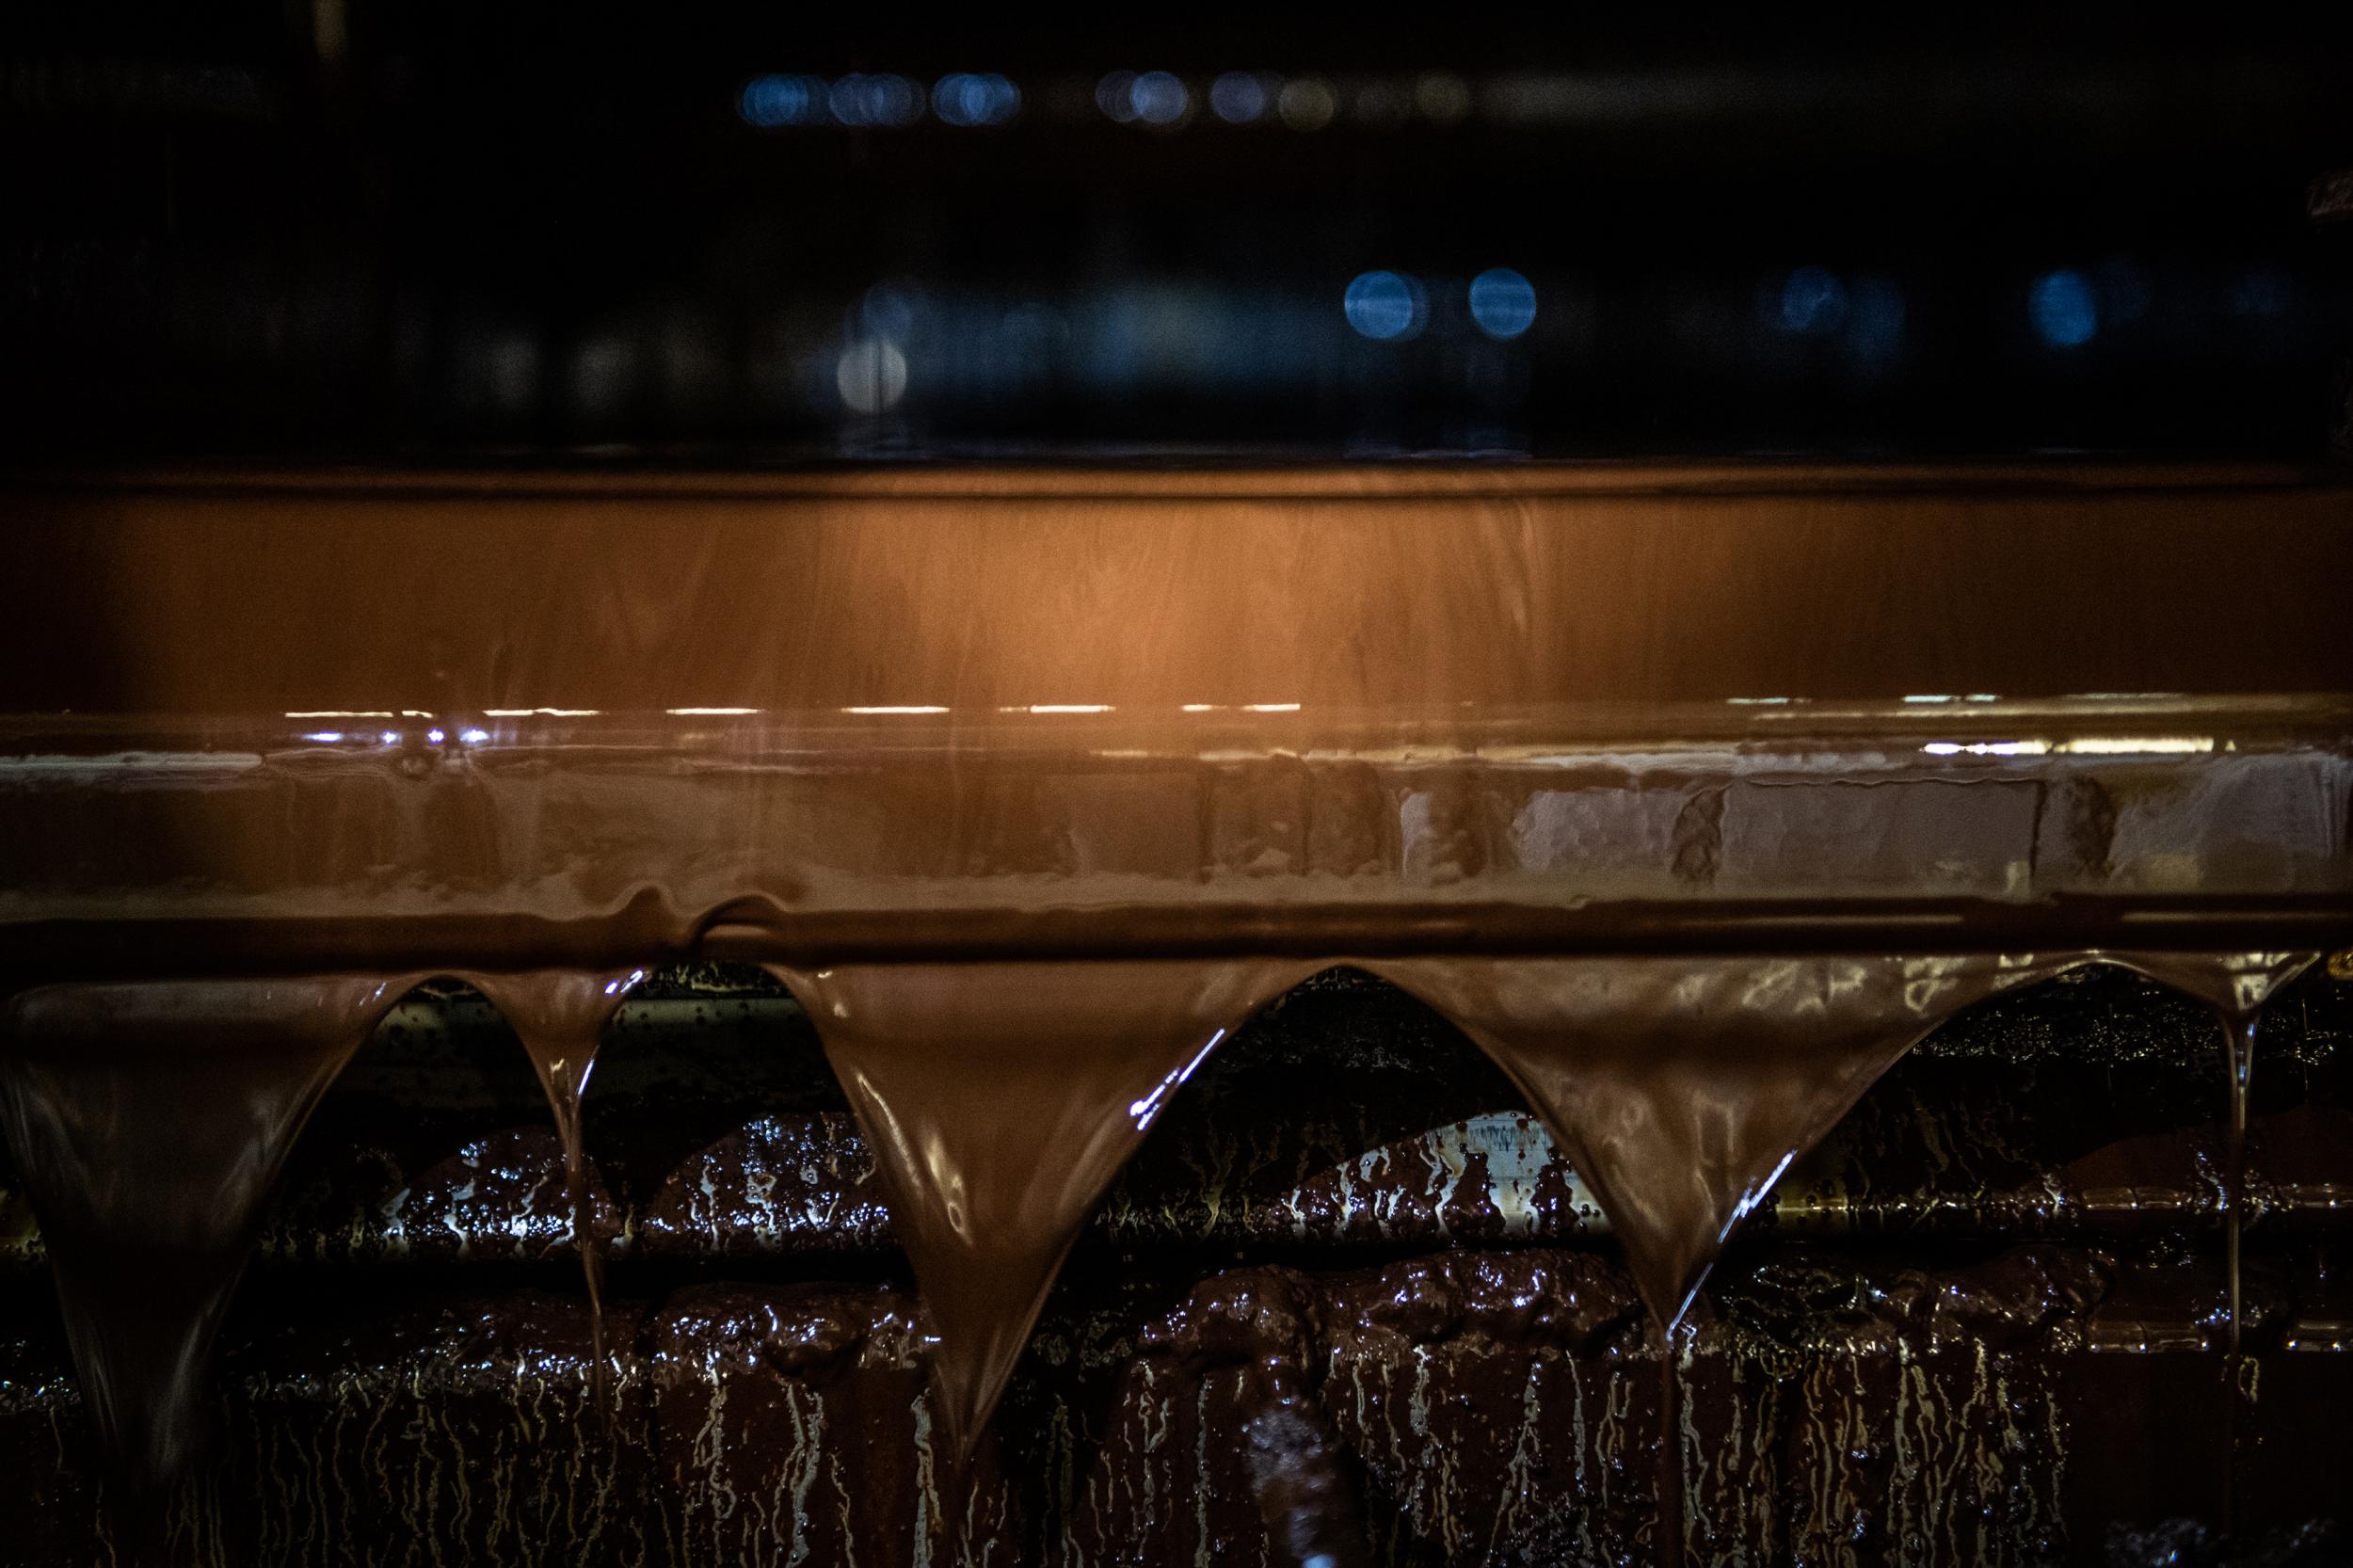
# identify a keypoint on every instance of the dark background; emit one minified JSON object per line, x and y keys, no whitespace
{"x":349,"y":229}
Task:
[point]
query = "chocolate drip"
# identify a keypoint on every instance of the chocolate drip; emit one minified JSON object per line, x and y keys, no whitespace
{"x":1640,"y":1067}
{"x":999,"y":1100}
{"x":2234,"y":986}
{"x":1051,"y":717}
{"x":151,"y":1122}
{"x":1680,"y":1088}
{"x":560,"y":1017}
{"x":1670,"y":1450}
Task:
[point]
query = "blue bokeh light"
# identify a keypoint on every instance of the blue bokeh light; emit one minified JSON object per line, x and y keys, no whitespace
{"x":1158,"y":98}
{"x":1112,"y":95}
{"x":893,"y":309}
{"x":975,"y":98}
{"x":1239,"y":97}
{"x":2064,"y":309}
{"x":1502,"y":303}
{"x":1813,"y":299}
{"x":770,"y":101}
{"x":1387,"y":307}
{"x":882,"y":99}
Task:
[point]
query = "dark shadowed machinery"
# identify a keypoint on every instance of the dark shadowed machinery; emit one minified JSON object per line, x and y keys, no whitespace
{"x":1052,"y":796}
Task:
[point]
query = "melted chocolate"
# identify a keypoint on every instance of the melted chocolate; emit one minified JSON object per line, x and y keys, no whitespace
{"x":1002,"y":1098}
{"x":999,"y":1100}
{"x":1672,"y":1506}
{"x":2236,"y":987}
{"x":1680,"y":1088}
{"x":151,"y":1122}
{"x":1491,"y":634}
{"x":560,"y":1015}
{"x":1402,"y":711}
{"x":1367,"y":588}
{"x":1308,"y":1504}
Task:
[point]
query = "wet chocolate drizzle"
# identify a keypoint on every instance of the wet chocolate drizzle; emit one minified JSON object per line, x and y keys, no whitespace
{"x":560,"y":1017}
{"x":999,"y":1100}
{"x":2234,"y":988}
{"x":1679,"y":1088}
{"x":151,"y":1121}
{"x":1002,"y":1097}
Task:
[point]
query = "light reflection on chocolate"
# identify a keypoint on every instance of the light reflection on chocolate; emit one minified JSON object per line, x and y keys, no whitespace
{"x":560,"y":1015}
{"x":151,"y":1121}
{"x":999,"y":1100}
{"x":1002,"y":1098}
{"x":1069,"y":591}
{"x":2236,"y":987}
{"x":1680,"y":1088}
{"x":1510,"y":778}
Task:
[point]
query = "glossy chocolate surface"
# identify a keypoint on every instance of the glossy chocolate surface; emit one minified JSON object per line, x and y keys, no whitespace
{"x":1696,"y":799}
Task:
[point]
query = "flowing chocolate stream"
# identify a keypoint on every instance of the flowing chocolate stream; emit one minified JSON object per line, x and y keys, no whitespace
{"x":2234,"y":986}
{"x":999,"y":1100}
{"x":960,"y":609}
{"x":1680,"y":1088}
{"x":151,"y":1122}
{"x":1670,"y":1487}
{"x":560,"y":1015}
